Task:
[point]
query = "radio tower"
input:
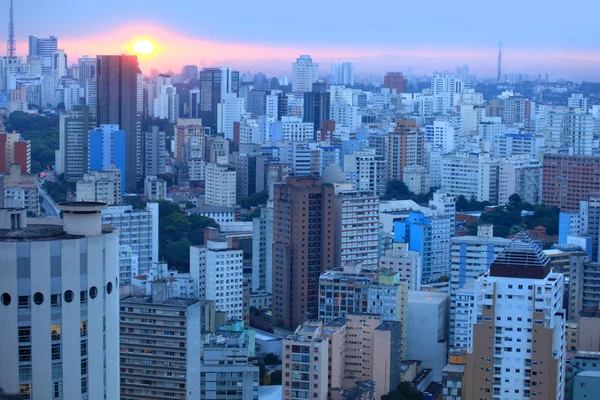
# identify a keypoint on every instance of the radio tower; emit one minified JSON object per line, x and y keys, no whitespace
{"x":11,"y":47}
{"x":500,"y":63}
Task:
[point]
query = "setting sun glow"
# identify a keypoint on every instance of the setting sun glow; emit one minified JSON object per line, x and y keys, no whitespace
{"x":143,"y":47}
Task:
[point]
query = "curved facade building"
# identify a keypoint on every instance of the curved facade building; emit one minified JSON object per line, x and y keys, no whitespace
{"x":59,"y":305}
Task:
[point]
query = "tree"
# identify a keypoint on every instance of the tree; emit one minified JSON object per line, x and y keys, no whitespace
{"x":405,"y":391}
{"x":176,"y":226}
{"x":397,"y":190}
{"x":177,"y":254}
{"x":272,"y":359}
{"x":275,"y":378}
{"x":255,"y":199}
{"x":199,"y":222}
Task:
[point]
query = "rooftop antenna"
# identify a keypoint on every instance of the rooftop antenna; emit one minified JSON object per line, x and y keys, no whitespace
{"x":11,"y":47}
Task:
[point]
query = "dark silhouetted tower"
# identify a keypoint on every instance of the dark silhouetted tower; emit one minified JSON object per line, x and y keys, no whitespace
{"x":11,"y":45}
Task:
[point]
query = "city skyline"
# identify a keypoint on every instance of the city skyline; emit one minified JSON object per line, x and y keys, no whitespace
{"x":373,"y":49}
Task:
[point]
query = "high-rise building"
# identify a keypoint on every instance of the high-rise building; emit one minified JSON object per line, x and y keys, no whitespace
{"x":356,"y":228}
{"x":215,"y":83}
{"x":21,"y":190}
{"x":366,"y":171}
{"x":194,"y":103}
{"x":568,"y":180}
{"x":304,"y":74}
{"x":189,"y":72}
{"x":303,"y":243}
{"x":74,"y":129}
{"x":230,"y":110}
{"x":220,"y":185}
{"x":572,"y":130}
{"x":103,"y":186}
{"x":293,"y":129}
{"x":154,"y":152}
{"x":45,"y":48}
{"x":517,"y":339}
{"x":226,"y":370}
{"x":138,"y":229}
{"x":117,"y":82}
{"x":166,"y":103}
{"x":160,"y":349}
{"x":471,"y":257}
{"x":343,"y":73}
{"x":360,"y":347}
{"x":217,"y":271}
{"x":107,"y":150}
{"x":262,"y":251}
{"x":317,"y":107}
{"x":522,"y":175}
{"x":578,"y":101}
{"x":250,"y":174}
{"x":406,"y":146}
{"x":88,"y":68}
{"x":60,"y":304}
{"x":431,"y":238}
{"x":14,"y":150}
{"x":395,"y":82}
{"x":471,"y":175}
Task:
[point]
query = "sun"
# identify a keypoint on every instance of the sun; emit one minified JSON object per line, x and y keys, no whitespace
{"x":143,"y":47}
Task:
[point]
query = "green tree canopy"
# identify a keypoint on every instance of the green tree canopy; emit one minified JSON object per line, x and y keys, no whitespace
{"x":255,"y":200}
{"x":405,"y":391}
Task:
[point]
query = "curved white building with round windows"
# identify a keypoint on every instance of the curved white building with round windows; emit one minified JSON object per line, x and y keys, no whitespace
{"x":59,"y":305}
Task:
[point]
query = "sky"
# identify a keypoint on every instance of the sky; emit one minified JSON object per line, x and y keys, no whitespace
{"x":377,"y":35}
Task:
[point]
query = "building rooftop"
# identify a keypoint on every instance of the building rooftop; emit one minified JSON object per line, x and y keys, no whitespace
{"x":174,"y":301}
{"x":521,"y":258}
{"x":210,"y":209}
{"x":266,"y":336}
{"x":417,"y":296}
{"x":388,"y":325}
{"x":458,"y":368}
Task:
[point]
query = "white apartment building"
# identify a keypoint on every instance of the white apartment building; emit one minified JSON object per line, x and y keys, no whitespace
{"x":230,"y":110}
{"x":471,"y":257}
{"x":578,"y":101}
{"x":138,"y":229}
{"x":220,"y":184}
{"x":166,"y":104}
{"x":570,"y":129}
{"x":250,"y":131}
{"x":294,"y":130}
{"x":366,"y":171}
{"x":356,"y":228}
{"x":416,"y":179}
{"x":59,"y":305}
{"x":471,"y":175}
{"x":521,"y":175}
{"x":409,"y":264}
{"x":345,"y":115}
{"x":516,"y":346}
{"x":155,"y":189}
{"x":304,"y":74}
{"x":443,"y":136}
{"x":103,"y":186}
{"x":218,"y":273}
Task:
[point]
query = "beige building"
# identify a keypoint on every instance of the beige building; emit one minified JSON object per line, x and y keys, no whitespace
{"x":21,"y":190}
{"x":518,"y":334}
{"x":104,"y":186}
{"x":360,"y":347}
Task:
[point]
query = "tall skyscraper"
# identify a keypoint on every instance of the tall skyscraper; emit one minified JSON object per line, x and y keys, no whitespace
{"x":303,"y":243}
{"x":117,"y":104}
{"x":406,"y":146}
{"x":59,"y":305}
{"x":500,"y":62}
{"x":304,"y":74}
{"x":45,"y":48}
{"x":215,"y":83}
{"x":516,"y":347}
